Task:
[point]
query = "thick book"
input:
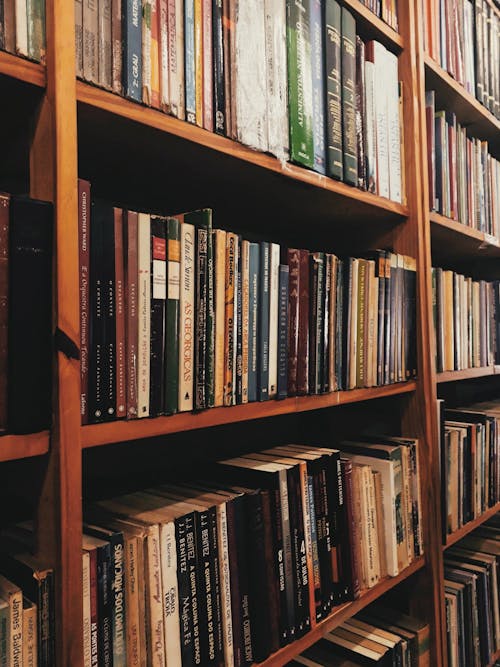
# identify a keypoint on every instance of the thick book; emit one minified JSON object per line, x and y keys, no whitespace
{"x":348,"y":56}
{"x":84,"y":276}
{"x":264,"y":321}
{"x":172,"y":316}
{"x":117,"y":46}
{"x":144,"y":313}
{"x":29,"y":368}
{"x":132,"y":49}
{"x":187,"y":318}
{"x":333,"y":37}
{"x":360,"y":111}
{"x":158,"y":299}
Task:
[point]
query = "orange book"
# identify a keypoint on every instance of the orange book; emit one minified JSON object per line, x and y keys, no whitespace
{"x":230,"y":323}
{"x":155,"y":55}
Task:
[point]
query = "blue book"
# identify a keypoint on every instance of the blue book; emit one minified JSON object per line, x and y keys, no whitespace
{"x":253,"y":319}
{"x":318,"y":86}
{"x":189,"y":61}
{"x":132,"y":52}
{"x":263,"y":341}
{"x":283,"y":331}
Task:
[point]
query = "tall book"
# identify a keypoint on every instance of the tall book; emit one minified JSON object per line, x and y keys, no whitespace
{"x":219,"y":243}
{"x":276,"y":94}
{"x":121,"y":370}
{"x":144,"y":314}
{"x":293,"y":319}
{"x":264,"y":321}
{"x":84,"y":262}
{"x":104,"y":43}
{"x":350,"y":157}
{"x":158,"y":299}
{"x":131,"y":300}
{"x":186,"y":317}
{"x":90,"y":41}
{"x":132,"y":49}
{"x":303,"y":345}
{"x":219,"y":101}
{"x":189,"y":61}
{"x":333,"y":38}
{"x":172,"y":316}
{"x":318,"y":85}
{"x":273,"y":318}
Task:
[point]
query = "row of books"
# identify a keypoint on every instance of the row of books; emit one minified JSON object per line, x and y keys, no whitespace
{"x":27,"y":613}
{"x":378,"y":636}
{"x":472,"y":597}
{"x":466,"y":316}
{"x":287,"y":77}
{"x":228,"y":568}
{"x":25,"y":314}
{"x":463,"y":36}
{"x":470,"y":463}
{"x":384,"y":9}
{"x":464,"y":178}
{"x":176,"y":316}
{"x":22,"y":28}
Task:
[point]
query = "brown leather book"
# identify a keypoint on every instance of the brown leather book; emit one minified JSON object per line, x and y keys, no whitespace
{"x":121,"y":375}
{"x":4,"y":305}
{"x":84,"y":260}
{"x":131,"y":322}
{"x":303,"y":347}
{"x":9,"y":26}
{"x":293,"y":322}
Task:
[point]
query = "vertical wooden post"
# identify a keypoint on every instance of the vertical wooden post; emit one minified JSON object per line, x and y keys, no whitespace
{"x":53,"y":164}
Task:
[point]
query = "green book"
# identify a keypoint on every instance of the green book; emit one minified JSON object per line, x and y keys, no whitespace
{"x":172,"y":316}
{"x":300,"y":97}
{"x":349,"y":97}
{"x":334,"y":155}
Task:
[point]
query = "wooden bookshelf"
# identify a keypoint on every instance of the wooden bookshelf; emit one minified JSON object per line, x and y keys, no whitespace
{"x":21,"y":69}
{"x":339,"y":615}
{"x":13,"y":447}
{"x":495,"y":658}
{"x":459,"y":534}
{"x":118,"y":431}
{"x":372,"y":27}
{"x":469,"y":111}
{"x":467,"y":374}
{"x":452,"y":240}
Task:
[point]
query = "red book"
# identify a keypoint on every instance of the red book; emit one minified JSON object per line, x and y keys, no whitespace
{"x":84,"y":259}
{"x":4,"y":305}
{"x":94,"y":612}
{"x":303,"y":345}
{"x":208,"y":67}
{"x":131,"y":321}
{"x":121,"y":398}
{"x":293,"y":319}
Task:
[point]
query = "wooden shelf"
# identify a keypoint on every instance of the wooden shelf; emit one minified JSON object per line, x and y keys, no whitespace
{"x":22,"y":69}
{"x":470,"y":526}
{"x":372,"y":27}
{"x":469,"y":111}
{"x":453,"y":240}
{"x":120,"y":431}
{"x":467,"y":374}
{"x":494,"y":659}
{"x":338,"y":616}
{"x":13,"y":447}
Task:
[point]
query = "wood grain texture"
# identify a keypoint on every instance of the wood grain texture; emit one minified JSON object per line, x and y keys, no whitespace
{"x":13,"y":447}
{"x":459,"y":534}
{"x":453,"y":241}
{"x":467,"y":374}
{"x":22,"y":69}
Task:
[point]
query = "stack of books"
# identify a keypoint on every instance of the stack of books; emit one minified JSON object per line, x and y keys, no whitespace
{"x":466,"y":316}
{"x":177,"y":315}
{"x":22,"y":28}
{"x":288,"y":77}
{"x":464,"y":178}
{"x":471,"y":597}
{"x":231,"y":567}
{"x":462,"y":36}
{"x":470,"y":463}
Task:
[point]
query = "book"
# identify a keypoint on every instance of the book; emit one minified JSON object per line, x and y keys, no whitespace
{"x":348,"y":60}
{"x":172,"y":316}
{"x":158,"y":302}
{"x":144,"y":314}
{"x":186,"y":317}
{"x":335,"y":157}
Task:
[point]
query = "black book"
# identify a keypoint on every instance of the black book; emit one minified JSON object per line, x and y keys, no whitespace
{"x":200,"y":348}
{"x":219,"y":67}
{"x":334,"y":157}
{"x":29,"y":365}
{"x":158,"y":302}
{"x":104,"y":603}
{"x":185,"y":602}
{"x":283,"y":331}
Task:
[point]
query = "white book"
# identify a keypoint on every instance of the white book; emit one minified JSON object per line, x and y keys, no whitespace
{"x":220,"y":313}
{"x":371,"y":130}
{"x":105,"y":44}
{"x":90,"y":41}
{"x":250,"y":66}
{"x":87,"y":649}
{"x":245,"y":276}
{"x":394,"y":129}
{"x":381,"y":116}
{"x":277,"y":88}
{"x":186,"y":323}
{"x":13,"y":595}
{"x":146,"y":52}
{"x":225,"y":585}
{"x":273,"y":319}
{"x":21,"y":27}
{"x":164,"y":54}
{"x":170,"y":594}
{"x":144,"y":315}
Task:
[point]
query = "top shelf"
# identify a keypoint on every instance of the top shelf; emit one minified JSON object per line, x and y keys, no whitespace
{"x":372,"y":27}
{"x":469,"y":111}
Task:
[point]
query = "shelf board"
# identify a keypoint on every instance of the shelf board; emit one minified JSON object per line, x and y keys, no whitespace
{"x":452,"y":96}
{"x":496,"y":657}
{"x":470,"y":526}
{"x":452,"y":240}
{"x":13,"y":447}
{"x":148,"y":160}
{"x":121,"y":431}
{"x":22,"y":69}
{"x":338,"y":616}
{"x":467,"y":374}
{"x":371,"y":26}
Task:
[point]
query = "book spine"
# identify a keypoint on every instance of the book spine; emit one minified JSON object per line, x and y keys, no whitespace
{"x":154,"y":600}
{"x":210,"y":317}
{"x":220,"y":314}
{"x":238,"y":365}
{"x":84,"y":260}
{"x":361,"y":301}
{"x":293,"y":319}
{"x":117,"y":46}
{"x":245,"y":291}
{"x":104,"y":44}
{"x":253,"y":319}
{"x":21,"y":18}
{"x":78,"y":35}
{"x":87,"y":661}
{"x":187,"y":318}
{"x":276,"y":66}
{"x":109,"y":303}
{"x":318,"y":85}
{"x":155,"y":53}
{"x":171,"y":608}
{"x":117,"y":602}
{"x":132,"y":52}
{"x":326,"y":323}
{"x":189,"y":61}
{"x":121,"y":379}
{"x":287,"y":555}
{"x":351,"y":563}
{"x":241,"y":526}
{"x":158,"y":299}
{"x":225,"y":579}
{"x":360,"y":112}
{"x":94,"y":610}
{"x":132,"y":605}
{"x":313,"y":324}
{"x":394,"y":129}
{"x":172,"y":317}
{"x":300,"y":100}
{"x":320,"y":324}
{"x":208,"y":66}
{"x":105,"y":607}
{"x":198,"y":61}
{"x":350,"y":158}
{"x":371,"y":130}
{"x":206,"y":641}
{"x":185,"y":598}
{"x":200,"y":319}
{"x":30,"y":636}
{"x":303,"y":327}
{"x":164,"y":53}
{"x":132,"y":321}
{"x":335,"y":168}
{"x":96,"y":356}
{"x":216,"y":589}
{"x":232,"y":516}
{"x":283,"y":332}
{"x":263,"y":319}
{"x":229,"y":329}
{"x":144,"y":314}
{"x":90,"y":40}
{"x":170,"y":59}
{"x":228,"y":48}
{"x":274,"y":269}
{"x":219,"y":102}
{"x":146,"y":51}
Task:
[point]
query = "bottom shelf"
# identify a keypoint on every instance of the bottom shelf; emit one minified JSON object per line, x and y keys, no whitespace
{"x":339,"y":615}
{"x":470,"y":526}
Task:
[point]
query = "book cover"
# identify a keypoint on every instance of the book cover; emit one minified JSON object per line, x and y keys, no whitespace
{"x":360,"y":111}
{"x":333,"y":65}
{"x":245,"y":290}
{"x":303,"y":344}
{"x":348,"y":56}
{"x":172,"y":316}
{"x":208,"y":65}
{"x":117,"y":46}
{"x":146,"y":51}
{"x":219,"y":243}
{"x":155,"y":53}
{"x":276,"y":68}
{"x":158,"y":300}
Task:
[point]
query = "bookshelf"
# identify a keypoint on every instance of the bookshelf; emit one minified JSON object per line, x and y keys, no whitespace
{"x":78,"y":129}
{"x":470,"y":526}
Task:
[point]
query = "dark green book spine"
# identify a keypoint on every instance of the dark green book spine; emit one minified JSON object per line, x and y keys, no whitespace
{"x":300,"y":82}
{"x":172,"y":316}
{"x":334,"y":155}
{"x":349,"y":97}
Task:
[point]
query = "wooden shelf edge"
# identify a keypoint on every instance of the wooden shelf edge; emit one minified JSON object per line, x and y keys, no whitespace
{"x":13,"y":447}
{"x":495,"y":657}
{"x":464,"y":230}
{"x":138,"y":113}
{"x":120,"y":431}
{"x":377,"y":24}
{"x":338,"y":616}
{"x":22,"y":69}
{"x":470,"y":526}
{"x":467,"y":374}
{"x":469,"y":99}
